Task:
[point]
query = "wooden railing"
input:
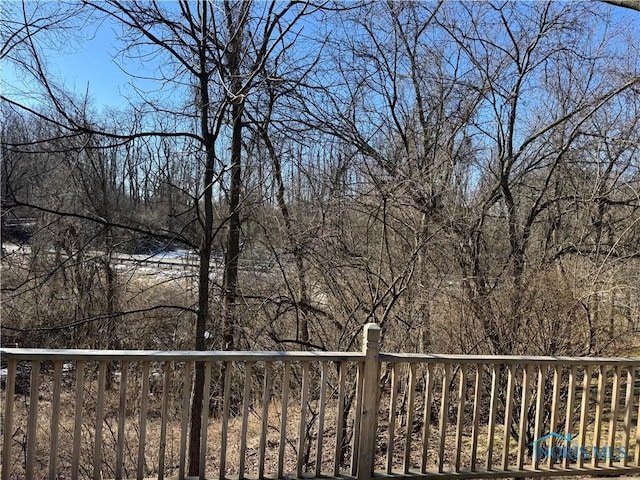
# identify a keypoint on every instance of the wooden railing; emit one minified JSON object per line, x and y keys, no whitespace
{"x":497,"y":417}
{"x":125,"y":414}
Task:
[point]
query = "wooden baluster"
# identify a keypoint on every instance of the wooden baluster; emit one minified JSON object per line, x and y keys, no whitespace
{"x":283,"y":420}
{"x":537,"y":433}
{"x":144,"y":404}
{"x":97,"y":453}
{"x":323,"y":404}
{"x":553,"y":423}
{"x":615,"y":387}
{"x":597,"y":426}
{"x":571,"y":395}
{"x":524,"y":408}
{"x":77,"y":428}
{"x":391,"y":431}
{"x":477,"y":394}
{"x":493,"y":406}
{"x":357,"y":413}
{"x":339,"y":432}
{"x":164,"y":410}
{"x":628,"y":403}
{"x":184,"y":423}
{"x":55,"y":420}
{"x":204,"y":426}
{"x":12,"y":367}
{"x":584,"y":412}
{"x":427,"y":416}
{"x":225,"y":420}
{"x":508,"y":414}
{"x":266,"y":398}
{"x":245,"y":418}
{"x":122,"y":415}
{"x":34,"y":392}
{"x":637,"y":450}
{"x":304,"y":398}
{"x":444,"y":413}
{"x":410,"y":416}
{"x":460,"y":415}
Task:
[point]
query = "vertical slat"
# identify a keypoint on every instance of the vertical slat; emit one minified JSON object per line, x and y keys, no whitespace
{"x":122,"y":415}
{"x":8,"y":418}
{"x":97,"y":453}
{"x":77,"y":428}
{"x":554,"y":407}
{"x":508,"y":414}
{"x":164,"y":410}
{"x":283,"y":419}
{"x":245,"y":417}
{"x":340,"y":420}
{"x":637,"y":449}
{"x":392,"y":416}
{"x":427,"y":417}
{"x":323,"y":405}
{"x":586,"y":385}
{"x":459,"y":424}
{"x":615,"y":387}
{"x":225,"y":420}
{"x":493,"y":406}
{"x":410,"y":416}
{"x":571,"y":395}
{"x":477,"y":394}
{"x":357,"y":413}
{"x":144,"y":404}
{"x":628,"y":402}
{"x":597,"y":426}
{"x":376,"y":412}
{"x":34,"y":391}
{"x":444,"y":413}
{"x":539,"y":413}
{"x":266,"y":398}
{"x":184,"y":422}
{"x":55,"y":419}
{"x":304,"y":396}
{"x":524,"y":407}
{"x":204,"y":427}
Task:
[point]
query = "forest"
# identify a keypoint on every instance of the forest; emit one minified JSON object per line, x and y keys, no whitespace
{"x":278,"y":174}
{"x":466,"y":175}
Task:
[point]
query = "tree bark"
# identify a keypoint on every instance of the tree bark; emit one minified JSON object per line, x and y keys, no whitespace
{"x":197,"y":400}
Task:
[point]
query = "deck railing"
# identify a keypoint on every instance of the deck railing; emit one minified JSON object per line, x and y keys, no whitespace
{"x":125,"y":414}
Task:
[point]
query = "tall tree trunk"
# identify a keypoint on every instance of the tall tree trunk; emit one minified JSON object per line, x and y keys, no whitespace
{"x":230,"y":285}
{"x":204,"y":254}
{"x":233,"y":237}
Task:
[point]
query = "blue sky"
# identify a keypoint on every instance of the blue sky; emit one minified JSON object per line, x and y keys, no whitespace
{"x":89,"y":64}
{"x":78,"y":66}
{"x":93,"y":64}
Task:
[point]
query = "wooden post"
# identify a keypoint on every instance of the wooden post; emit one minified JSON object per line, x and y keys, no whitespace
{"x":8,"y":418}
{"x":371,"y":349}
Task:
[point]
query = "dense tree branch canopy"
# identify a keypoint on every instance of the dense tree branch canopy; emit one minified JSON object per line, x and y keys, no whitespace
{"x":274,"y":175}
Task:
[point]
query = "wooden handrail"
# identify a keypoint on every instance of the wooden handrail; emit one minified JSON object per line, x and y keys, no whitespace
{"x":262,"y":356}
{"x":174,"y":356}
{"x":505,"y":359}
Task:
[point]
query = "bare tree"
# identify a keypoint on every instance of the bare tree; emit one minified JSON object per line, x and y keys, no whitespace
{"x":223,"y":53}
{"x":466,"y":171}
